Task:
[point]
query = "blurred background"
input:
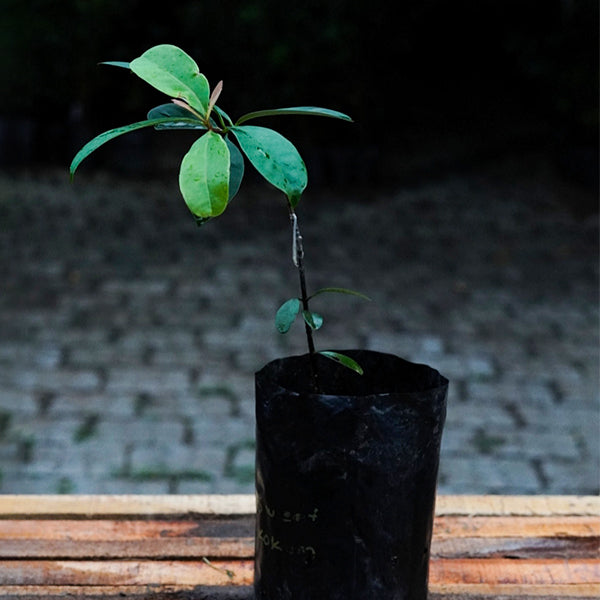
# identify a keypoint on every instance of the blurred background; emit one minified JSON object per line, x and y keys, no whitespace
{"x":488,"y":76}
{"x":464,"y":199}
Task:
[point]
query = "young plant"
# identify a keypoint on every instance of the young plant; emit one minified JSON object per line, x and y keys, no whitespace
{"x":211,"y":172}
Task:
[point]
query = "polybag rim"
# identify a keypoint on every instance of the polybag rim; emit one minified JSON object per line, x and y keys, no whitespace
{"x":441,"y":387}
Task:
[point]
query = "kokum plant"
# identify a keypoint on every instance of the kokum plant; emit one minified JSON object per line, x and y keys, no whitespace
{"x":212,"y":170}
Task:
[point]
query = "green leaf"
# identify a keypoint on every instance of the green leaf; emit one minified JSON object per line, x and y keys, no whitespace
{"x":171,"y":71}
{"x":275,"y":158}
{"x":344,"y":360}
{"x":286,"y":315}
{"x":101,"y":139}
{"x":339,"y":290}
{"x":236,"y":173}
{"x":312,"y":319}
{"x":214,"y":96}
{"x":116,"y":63}
{"x":175,"y":112}
{"x":295,"y":110}
{"x":204,"y":176}
{"x":236,"y":168}
{"x":223,"y":115}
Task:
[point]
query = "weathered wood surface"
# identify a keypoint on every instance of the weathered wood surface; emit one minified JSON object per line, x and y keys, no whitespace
{"x":201,"y":547}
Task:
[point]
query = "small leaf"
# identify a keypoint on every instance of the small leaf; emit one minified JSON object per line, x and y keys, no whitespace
{"x":295,"y":110}
{"x":101,"y":139}
{"x":116,"y":63}
{"x":339,"y":290}
{"x":313,"y":320}
{"x":204,"y":176}
{"x":275,"y":158}
{"x":344,"y":360}
{"x":183,"y":104}
{"x":168,"y":110}
{"x":171,"y":71}
{"x":223,"y":115}
{"x":174,"y":111}
{"x":286,"y":315}
{"x":214,"y":96}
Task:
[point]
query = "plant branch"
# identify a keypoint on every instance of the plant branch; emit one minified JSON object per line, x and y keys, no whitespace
{"x":298,"y":260}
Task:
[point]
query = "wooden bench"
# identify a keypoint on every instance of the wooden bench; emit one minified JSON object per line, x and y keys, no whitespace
{"x":201,"y":547}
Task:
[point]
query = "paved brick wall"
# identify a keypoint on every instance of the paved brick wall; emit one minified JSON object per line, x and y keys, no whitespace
{"x":129,"y":337}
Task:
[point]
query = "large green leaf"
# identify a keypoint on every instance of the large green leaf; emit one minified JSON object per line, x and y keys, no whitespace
{"x":236,"y":168}
{"x":295,"y":110}
{"x":175,"y":112}
{"x":286,"y":314}
{"x":204,"y":176}
{"x":101,"y":139}
{"x":275,"y":158}
{"x":236,"y":174}
{"x":173,"y":72}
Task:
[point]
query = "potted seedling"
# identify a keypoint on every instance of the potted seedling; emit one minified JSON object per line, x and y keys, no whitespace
{"x":347,"y":441}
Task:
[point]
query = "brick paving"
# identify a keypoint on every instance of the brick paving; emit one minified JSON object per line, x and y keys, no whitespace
{"x":129,"y":337}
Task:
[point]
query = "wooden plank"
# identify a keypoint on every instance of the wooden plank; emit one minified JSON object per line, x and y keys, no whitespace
{"x":35,"y":506}
{"x":475,"y":592}
{"x":502,"y":526}
{"x":80,"y":539}
{"x":144,"y":592}
{"x":516,"y":548}
{"x":518,"y":505}
{"x":123,"y":530}
{"x":516,"y":572}
{"x":159,"y":592}
{"x":26,"y":506}
{"x":126,"y":572}
{"x":232,"y":548}
{"x":233,"y":538}
{"x":500,"y":571}
{"x":244,"y":548}
{"x":486,"y":591}
{"x":243,"y":526}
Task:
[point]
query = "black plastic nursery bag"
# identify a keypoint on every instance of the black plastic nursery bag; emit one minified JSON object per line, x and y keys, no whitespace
{"x":346,"y":478}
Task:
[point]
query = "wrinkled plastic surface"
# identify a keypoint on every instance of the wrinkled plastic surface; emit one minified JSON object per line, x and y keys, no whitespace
{"x":346,"y":478}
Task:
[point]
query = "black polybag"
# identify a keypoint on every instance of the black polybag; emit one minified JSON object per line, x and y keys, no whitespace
{"x":346,"y":478}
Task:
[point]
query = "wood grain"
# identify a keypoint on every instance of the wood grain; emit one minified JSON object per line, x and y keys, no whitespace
{"x":139,"y":505}
{"x":201,"y":547}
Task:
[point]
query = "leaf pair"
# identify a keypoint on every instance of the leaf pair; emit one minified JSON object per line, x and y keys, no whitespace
{"x":212,"y":170}
{"x":289,"y":310}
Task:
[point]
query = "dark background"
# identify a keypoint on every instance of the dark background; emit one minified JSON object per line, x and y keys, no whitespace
{"x":457,"y":81}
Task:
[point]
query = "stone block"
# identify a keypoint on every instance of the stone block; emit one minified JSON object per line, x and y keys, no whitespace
{"x":487,"y":475}
{"x":150,"y":380}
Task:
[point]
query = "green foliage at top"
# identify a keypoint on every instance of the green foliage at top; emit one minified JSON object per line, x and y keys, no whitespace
{"x":212,"y":170}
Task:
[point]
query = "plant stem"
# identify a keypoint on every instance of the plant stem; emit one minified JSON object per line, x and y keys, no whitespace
{"x":298,"y":259}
